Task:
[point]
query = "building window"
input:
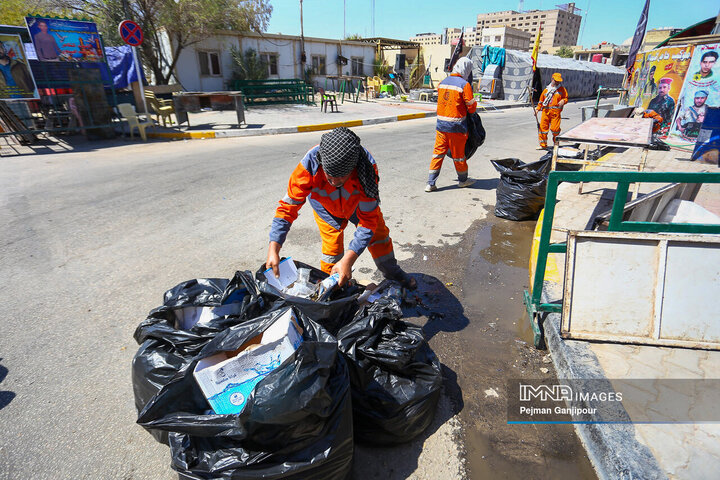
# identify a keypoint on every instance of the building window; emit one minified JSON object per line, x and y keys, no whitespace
{"x":498,"y":38}
{"x":486,"y":39}
{"x":318,"y":65}
{"x":271,"y":60}
{"x":209,"y":63}
{"x":357,"y":66}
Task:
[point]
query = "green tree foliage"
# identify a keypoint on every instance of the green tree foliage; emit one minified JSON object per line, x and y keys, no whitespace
{"x":380,"y":67}
{"x":13,"y":12}
{"x":247,"y":65}
{"x":354,"y":36}
{"x":183,"y":22}
{"x":564,"y":52}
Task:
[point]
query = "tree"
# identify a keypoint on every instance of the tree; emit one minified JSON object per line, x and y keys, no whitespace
{"x":248,"y":65}
{"x":354,"y":36}
{"x":182,"y":22}
{"x":564,"y":52}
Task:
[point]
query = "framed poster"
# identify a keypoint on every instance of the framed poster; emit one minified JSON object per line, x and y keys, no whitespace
{"x":62,"y":40}
{"x":700,"y":91}
{"x":16,"y":78}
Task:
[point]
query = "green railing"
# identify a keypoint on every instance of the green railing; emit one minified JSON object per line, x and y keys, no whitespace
{"x":616,"y":223}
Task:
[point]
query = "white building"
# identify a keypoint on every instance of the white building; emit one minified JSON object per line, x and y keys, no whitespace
{"x":505,"y":37}
{"x":208,"y":65}
{"x":427,"y":39}
{"x":469,"y":37}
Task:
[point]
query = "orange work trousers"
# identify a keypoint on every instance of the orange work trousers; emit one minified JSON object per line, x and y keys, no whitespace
{"x":455,"y":143}
{"x":550,"y":120}
{"x":333,"y":243}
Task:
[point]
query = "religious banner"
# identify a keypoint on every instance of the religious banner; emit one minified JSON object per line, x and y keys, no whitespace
{"x":16,"y":79}
{"x":660,"y":81}
{"x":700,"y":91}
{"x":63,"y":40}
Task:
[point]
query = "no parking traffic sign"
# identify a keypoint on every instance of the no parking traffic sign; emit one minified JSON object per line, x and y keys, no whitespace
{"x":130,"y":32}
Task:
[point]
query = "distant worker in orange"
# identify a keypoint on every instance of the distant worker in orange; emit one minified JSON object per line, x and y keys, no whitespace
{"x":552,"y":101}
{"x":455,"y":101}
{"x":656,"y":118}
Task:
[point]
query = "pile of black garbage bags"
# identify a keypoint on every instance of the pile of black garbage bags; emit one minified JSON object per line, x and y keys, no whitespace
{"x":361,"y":374}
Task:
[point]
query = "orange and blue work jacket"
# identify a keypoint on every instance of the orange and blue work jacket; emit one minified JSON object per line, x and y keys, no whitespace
{"x":335,"y":206}
{"x":455,"y":101}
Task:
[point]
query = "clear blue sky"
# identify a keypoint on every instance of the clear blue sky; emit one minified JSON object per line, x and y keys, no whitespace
{"x":603,"y":20}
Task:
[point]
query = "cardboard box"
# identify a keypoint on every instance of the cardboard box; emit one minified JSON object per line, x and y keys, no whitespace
{"x":228,"y":379}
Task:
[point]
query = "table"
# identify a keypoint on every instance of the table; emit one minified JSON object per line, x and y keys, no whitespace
{"x":343,"y":81}
{"x":619,"y":132}
{"x":185,"y":102}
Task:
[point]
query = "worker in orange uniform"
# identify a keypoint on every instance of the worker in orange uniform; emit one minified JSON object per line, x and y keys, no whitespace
{"x":656,"y":118}
{"x":339,"y":178}
{"x":552,"y":101}
{"x":455,"y":101}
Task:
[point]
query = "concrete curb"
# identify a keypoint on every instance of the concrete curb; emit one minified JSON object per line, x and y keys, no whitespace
{"x":236,"y":132}
{"x":612,"y":448}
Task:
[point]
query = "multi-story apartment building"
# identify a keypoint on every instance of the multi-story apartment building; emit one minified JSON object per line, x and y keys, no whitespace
{"x":505,"y":37}
{"x":453,"y":34}
{"x":449,"y":36}
{"x":427,"y":39}
{"x":560,"y":26}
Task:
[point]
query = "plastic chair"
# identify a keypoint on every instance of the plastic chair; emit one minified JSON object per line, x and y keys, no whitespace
{"x":328,"y":99}
{"x":163,"y":108}
{"x":133,"y":119}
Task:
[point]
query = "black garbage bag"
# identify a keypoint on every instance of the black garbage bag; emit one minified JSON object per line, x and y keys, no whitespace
{"x":297,"y":424}
{"x":520,"y":195}
{"x":395,"y":376}
{"x":476,"y":134}
{"x":561,"y":167}
{"x":165,"y":346}
{"x":331,"y":314}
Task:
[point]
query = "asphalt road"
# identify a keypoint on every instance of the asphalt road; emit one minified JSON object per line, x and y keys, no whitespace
{"x":95,"y":235}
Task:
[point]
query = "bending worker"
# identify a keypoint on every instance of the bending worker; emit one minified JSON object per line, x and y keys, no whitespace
{"x":552,"y":100}
{"x":455,"y":101}
{"x":340,"y":180}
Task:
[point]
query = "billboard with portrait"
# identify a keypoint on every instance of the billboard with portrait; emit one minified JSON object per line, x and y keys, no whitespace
{"x":660,"y":80}
{"x":700,"y":91}
{"x":16,"y":79}
{"x":62,"y":40}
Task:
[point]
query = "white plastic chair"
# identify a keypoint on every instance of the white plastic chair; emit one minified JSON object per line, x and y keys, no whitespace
{"x":133,"y":119}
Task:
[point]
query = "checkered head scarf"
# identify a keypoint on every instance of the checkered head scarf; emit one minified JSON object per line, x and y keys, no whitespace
{"x":341,"y":153}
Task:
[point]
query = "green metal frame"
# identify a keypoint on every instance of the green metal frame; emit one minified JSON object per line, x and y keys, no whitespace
{"x":623,"y":180}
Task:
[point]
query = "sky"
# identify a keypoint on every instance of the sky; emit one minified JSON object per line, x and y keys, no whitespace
{"x":612,"y":21}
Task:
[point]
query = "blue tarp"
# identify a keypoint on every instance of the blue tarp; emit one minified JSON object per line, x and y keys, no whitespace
{"x":493,"y":56}
{"x":120,"y":61}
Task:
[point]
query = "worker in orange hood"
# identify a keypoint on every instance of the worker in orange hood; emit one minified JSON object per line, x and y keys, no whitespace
{"x":455,"y":101}
{"x":656,"y":118}
{"x":552,"y":100}
{"x":340,"y":180}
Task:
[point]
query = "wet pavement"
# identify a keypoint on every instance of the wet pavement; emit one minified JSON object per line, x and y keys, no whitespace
{"x":472,"y":311}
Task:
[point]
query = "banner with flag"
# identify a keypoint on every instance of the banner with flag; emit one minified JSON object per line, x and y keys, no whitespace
{"x":638,"y":38}
{"x":456,"y":53}
{"x":536,"y":48}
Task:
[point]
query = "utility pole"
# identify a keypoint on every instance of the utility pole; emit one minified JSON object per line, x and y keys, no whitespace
{"x":302,"y":41}
{"x":344,"y":12}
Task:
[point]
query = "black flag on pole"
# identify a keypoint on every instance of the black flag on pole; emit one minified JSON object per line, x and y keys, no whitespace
{"x":456,"y":53}
{"x":638,"y":38}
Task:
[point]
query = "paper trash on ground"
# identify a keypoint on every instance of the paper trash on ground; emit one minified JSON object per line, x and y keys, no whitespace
{"x":228,"y":382}
{"x":288,"y":274}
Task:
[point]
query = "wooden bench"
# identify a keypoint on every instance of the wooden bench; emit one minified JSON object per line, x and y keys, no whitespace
{"x":275,"y":90}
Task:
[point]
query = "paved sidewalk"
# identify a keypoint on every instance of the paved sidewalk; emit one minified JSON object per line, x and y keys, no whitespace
{"x":276,"y":119}
{"x":634,"y":450}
